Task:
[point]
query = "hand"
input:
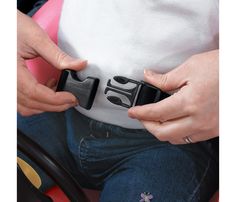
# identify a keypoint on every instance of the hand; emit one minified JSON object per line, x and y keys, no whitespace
{"x":193,"y":110}
{"x":33,"y":97}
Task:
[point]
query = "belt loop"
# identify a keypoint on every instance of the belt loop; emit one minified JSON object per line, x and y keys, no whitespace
{"x":107,"y":134}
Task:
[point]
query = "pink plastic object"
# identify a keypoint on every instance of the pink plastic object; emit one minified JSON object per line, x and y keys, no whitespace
{"x":47,"y":17}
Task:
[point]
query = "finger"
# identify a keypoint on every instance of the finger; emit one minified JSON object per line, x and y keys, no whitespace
{"x":32,"y":104}
{"x":170,"y":108}
{"x":28,"y":86}
{"x":184,"y":140}
{"x":49,"y":108}
{"x":46,"y":95}
{"x":172,"y":80}
{"x":202,"y":136}
{"x":46,"y":48}
{"x":167,"y":131}
{"x":27,"y":111}
{"x":177,"y":141}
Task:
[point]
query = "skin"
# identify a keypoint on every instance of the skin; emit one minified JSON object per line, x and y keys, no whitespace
{"x":193,"y":110}
{"x":33,"y":97}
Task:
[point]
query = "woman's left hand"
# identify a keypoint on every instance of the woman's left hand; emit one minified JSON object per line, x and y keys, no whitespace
{"x":191,"y":114}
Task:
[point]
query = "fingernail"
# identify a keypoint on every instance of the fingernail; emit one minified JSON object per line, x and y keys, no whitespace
{"x":71,"y":101}
{"x":74,"y":104}
{"x":73,"y":61}
{"x":75,"y":101}
{"x":84,"y":62}
{"x":130,"y":113}
{"x":148,"y":72}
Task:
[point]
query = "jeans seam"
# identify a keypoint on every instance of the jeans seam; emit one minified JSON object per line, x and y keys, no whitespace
{"x":79,"y":150}
{"x":201,"y":181}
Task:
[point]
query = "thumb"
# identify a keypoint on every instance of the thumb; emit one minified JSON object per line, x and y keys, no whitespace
{"x":48,"y":50}
{"x":172,"y":80}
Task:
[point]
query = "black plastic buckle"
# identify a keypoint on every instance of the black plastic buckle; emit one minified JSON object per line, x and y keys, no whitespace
{"x":143,"y":93}
{"x":84,"y":91}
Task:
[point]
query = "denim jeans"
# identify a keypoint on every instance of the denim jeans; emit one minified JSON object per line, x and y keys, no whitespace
{"x":125,"y":164}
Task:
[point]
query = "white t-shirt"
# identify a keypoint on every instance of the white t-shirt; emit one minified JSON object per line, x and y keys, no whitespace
{"x":123,"y":37}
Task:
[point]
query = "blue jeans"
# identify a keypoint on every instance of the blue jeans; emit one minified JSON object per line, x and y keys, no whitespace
{"x":124,"y":163}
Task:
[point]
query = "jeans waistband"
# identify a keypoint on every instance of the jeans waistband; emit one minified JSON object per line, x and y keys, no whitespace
{"x":101,"y":129}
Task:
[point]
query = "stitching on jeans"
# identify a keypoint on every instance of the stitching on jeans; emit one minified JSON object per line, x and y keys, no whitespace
{"x":79,"y":150}
{"x":198,"y":186}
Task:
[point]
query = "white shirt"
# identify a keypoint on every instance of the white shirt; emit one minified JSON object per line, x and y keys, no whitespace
{"x":123,"y":37}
